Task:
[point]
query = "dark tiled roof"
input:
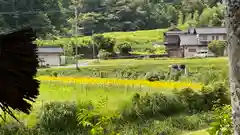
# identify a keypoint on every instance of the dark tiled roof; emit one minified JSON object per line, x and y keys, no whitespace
{"x":188,"y":39}
{"x":50,"y":49}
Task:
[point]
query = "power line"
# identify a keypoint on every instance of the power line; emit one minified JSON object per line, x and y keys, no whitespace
{"x":36,"y":12}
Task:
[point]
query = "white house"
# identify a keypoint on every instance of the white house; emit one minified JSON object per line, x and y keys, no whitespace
{"x":51,"y":55}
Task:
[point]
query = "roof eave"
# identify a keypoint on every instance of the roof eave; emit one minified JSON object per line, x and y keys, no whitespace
{"x":50,"y":52}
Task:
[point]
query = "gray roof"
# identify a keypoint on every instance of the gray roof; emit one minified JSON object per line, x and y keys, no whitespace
{"x":188,"y":39}
{"x":50,"y":49}
{"x":175,"y":32}
{"x":211,"y":30}
{"x":207,"y":30}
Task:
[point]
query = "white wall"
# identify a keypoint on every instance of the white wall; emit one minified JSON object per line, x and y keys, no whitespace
{"x":188,"y":54}
{"x":62,"y":60}
{"x":209,"y":37}
{"x":51,"y":59}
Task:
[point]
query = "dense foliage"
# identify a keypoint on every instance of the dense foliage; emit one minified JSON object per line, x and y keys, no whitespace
{"x":57,"y":17}
{"x":222,"y":121}
{"x":169,"y":114}
{"x":217,"y":47}
{"x":97,"y":106}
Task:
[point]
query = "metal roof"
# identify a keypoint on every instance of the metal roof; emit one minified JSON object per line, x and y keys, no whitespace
{"x":188,"y":40}
{"x":207,"y":30}
{"x":50,"y":49}
{"x":175,"y":32}
{"x":210,"y":30}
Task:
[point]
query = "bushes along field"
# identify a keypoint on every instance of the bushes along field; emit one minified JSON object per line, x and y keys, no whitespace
{"x":80,"y":109}
{"x":104,"y":105}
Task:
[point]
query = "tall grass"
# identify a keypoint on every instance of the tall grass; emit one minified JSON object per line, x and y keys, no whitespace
{"x":64,"y":108}
{"x":200,"y":70}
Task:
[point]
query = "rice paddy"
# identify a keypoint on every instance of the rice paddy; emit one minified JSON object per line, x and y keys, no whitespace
{"x":116,"y":92}
{"x":106,"y":82}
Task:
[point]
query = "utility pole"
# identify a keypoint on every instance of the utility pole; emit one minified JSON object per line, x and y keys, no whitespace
{"x":93,"y":46}
{"x":76,"y":33}
{"x":16,"y":13}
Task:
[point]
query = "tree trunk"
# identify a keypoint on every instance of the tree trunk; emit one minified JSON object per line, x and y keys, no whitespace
{"x":233,"y":30}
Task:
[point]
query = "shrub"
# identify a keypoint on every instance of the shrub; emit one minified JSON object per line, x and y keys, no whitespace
{"x":104,"y":54}
{"x":104,"y":43}
{"x":149,"y":106}
{"x":154,"y":76}
{"x":175,"y":75}
{"x":222,"y":121}
{"x":149,"y":50}
{"x":14,"y":128}
{"x":70,"y":60}
{"x":54,"y":73}
{"x":124,"y":48}
{"x":205,"y":99}
{"x":128,"y":73}
{"x":58,"y":116}
{"x":191,"y":99}
{"x":173,"y":125}
{"x":96,"y":123}
{"x":222,"y":93}
{"x":192,"y":122}
{"x":217,"y":47}
{"x":208,"y":77}
{"x":217,"y":94}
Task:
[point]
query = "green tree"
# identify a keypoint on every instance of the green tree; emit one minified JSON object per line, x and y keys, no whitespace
{"x":57,"y":17}
{"x":104,"y":43}
{"x":196,"y":16}
{"x":180,"y":18}
{"x":217,"y":47}
{"x":124,"y":48}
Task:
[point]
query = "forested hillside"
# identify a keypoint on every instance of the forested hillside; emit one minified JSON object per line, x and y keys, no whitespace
{"x":57,"y":17}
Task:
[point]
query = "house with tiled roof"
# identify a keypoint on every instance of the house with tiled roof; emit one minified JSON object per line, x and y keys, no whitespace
{"x":188,"y":43}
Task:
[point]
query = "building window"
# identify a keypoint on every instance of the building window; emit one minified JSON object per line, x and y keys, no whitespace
{"x":213,"y":37}
{"x":224,"y":37}
{"x":203,"y":38}
{"x":217,"y":37}
{"x":192,"y":50}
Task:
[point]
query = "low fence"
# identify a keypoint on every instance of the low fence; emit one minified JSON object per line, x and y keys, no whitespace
{"x":139,"y":56}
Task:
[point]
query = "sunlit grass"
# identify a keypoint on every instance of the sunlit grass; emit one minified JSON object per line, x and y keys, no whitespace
{"x":137,"y":38}
{"x":135,"y":84}
{"x":200,"y":132}
{"x":115,"y":97}
{"x":115,"y":92}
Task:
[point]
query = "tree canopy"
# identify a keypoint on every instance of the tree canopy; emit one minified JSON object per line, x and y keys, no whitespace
{"x":57,"y":17}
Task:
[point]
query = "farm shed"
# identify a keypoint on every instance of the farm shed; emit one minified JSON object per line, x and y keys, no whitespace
{"x":51,"y":55}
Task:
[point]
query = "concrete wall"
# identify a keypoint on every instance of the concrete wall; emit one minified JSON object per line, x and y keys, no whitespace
{"x":191,"y":50}
{"x":52,"y":59}
{"x":175,"y":53}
